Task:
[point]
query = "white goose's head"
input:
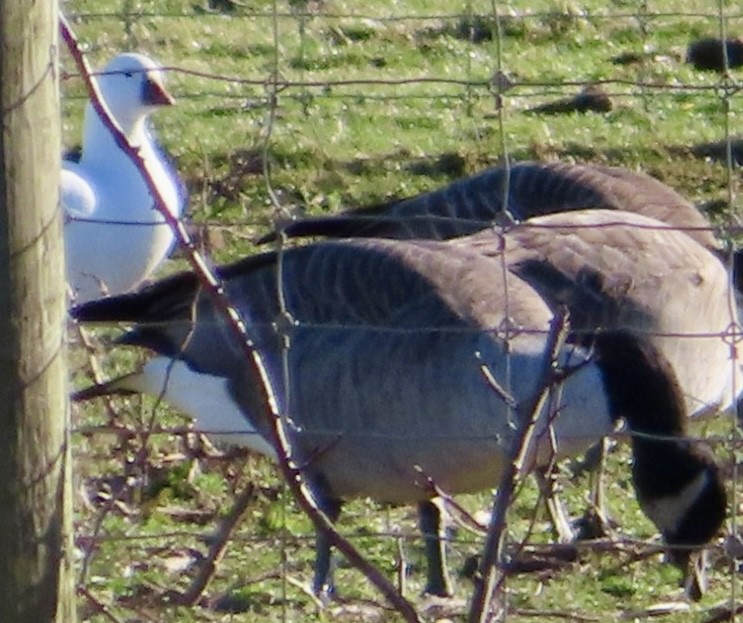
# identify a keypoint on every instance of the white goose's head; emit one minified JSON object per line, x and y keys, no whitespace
{"x":133,"y":87}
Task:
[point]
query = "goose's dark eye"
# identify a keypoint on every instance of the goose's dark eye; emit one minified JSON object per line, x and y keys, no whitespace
{"x":128,"y":74}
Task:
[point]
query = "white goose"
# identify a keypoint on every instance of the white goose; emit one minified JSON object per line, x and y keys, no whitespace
{"x":385,"y":376}
{"x":114,"y":236}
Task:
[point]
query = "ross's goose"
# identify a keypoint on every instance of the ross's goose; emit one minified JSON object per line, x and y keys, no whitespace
{"x":114,"y":236}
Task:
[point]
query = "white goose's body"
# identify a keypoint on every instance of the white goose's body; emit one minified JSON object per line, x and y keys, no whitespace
{"x":114,"y":236}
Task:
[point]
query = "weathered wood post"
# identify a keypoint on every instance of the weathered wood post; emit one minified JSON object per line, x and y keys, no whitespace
{"x":36,"y":584}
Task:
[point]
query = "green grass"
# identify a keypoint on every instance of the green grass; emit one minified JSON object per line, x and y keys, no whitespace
{"x":152,"y":503}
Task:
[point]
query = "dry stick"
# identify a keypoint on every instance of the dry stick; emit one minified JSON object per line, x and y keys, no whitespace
{"x":522,"y":445}
{"x":90,"y":551}
{"x":253,"y":359}
{"x":556,"y":614}
{"x":609,"y":544}
{"x":462,"y":516}
{"x":724,"y":613}
{"x":209,"y":566}
{"x":97,"y":605}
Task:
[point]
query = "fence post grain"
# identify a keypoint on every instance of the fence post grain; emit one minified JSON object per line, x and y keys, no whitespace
{"x":35,"y":479}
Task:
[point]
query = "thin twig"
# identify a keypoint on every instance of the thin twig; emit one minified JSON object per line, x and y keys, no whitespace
{"x":99,"y":607}
{"x":95,"y":370}
{"x":93,"y":541}
{"x":208,"y":566}
{"x":485,"y":584}
{"x":306,"y":590}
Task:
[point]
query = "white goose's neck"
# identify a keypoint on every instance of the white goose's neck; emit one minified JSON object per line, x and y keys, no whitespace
{"x":99,"y":145}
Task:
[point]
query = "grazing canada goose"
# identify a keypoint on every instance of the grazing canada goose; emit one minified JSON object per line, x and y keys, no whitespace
{"x":525,"y":189}
{"x":114,"y":236}
{"x":533,"y":189}
{"x":617,"y":270}
{"x":385,"y":383}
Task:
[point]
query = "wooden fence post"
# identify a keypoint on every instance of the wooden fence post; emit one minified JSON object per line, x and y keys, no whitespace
{"x":36,"y":582}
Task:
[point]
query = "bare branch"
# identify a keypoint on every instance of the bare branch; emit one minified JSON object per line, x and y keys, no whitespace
{"x":485,"y":584}
{"x":253,"y":358}
{"x":209,"y":566}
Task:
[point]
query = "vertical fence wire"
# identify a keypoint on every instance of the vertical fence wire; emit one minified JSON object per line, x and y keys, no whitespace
{"x":503,"y":85}
{"x":727,"y":90}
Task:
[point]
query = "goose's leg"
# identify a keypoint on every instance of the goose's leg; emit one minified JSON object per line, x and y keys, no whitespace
{"x":432,"y":528}
{"x":322,"y":583}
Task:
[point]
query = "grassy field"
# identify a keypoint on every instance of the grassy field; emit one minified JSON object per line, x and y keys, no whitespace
{"x":375,"y":103}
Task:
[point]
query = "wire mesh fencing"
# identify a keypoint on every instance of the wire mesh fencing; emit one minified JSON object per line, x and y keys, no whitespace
{"x":309,"y":108}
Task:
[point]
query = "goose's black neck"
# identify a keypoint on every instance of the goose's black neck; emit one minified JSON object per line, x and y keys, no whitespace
{"x":640,"y":384}
{"x":676,"y":478}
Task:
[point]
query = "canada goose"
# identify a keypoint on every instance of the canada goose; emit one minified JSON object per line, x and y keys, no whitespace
{"x":617,"y":270}
{"x":114,"y":236}
{"x":531,"y":189}
{"x":385,"y":384}
{"x":525,"y":189}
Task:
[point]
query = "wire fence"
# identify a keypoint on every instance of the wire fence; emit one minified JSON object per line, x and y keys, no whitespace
{"x":311,"y":107}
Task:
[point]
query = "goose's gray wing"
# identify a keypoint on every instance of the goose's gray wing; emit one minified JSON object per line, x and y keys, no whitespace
{"x":346,"y":283}
{"x":525,"y":189}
